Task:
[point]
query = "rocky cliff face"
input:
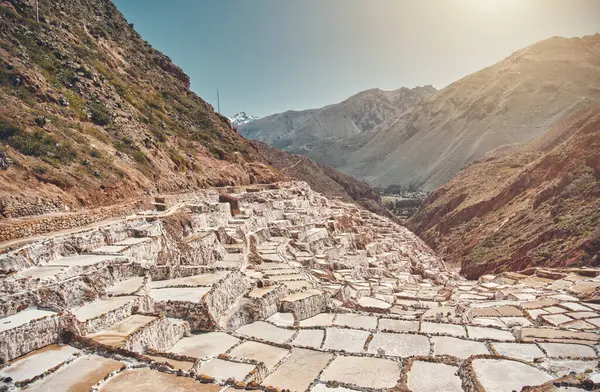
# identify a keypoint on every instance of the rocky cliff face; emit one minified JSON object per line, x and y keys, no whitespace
{"x":91,"y":115}
{"x":302,"y":132}
{"x":536,"y":204}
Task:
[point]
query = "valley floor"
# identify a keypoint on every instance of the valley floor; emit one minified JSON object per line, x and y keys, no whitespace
{"x":277,"y":287}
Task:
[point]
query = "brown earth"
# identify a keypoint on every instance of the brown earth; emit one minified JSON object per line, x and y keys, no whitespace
{"x":92,"y":115}
{"x":535,"y":204}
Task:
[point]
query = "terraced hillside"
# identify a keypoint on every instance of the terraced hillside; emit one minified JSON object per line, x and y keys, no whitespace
{"x":279,"y":288}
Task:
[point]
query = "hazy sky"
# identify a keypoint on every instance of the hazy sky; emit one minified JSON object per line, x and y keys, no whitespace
{"x":268,"y":56}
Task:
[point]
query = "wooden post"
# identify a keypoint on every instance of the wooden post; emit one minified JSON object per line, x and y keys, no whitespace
{"x":37,"y":11}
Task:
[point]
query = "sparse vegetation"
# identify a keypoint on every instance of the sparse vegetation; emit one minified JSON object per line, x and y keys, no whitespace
{"x":99,"y":113}
{"x":40,"y":169}
{"x":14,"y":83}
{"x":127,"y":146}
{"x":37,"y":144}
{"x":76,"y":104}
{"x":178,"y":159}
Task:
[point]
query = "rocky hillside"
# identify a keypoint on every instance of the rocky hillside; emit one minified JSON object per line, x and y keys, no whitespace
{"x":303,"y":131}
{"x":322,"y":178}
{"x":91,"y":114}
{"x":534,"y":204}
{"x":510,"y":102}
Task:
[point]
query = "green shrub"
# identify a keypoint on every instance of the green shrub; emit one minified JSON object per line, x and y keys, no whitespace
{"x":100,"y":115}
{"x":178,"y":159}
{"x":14,"y":83}
{"x":8,"y":129}
{"x":127,"y":146}
{"x":76,"y":104}
{"x":40,"y":169}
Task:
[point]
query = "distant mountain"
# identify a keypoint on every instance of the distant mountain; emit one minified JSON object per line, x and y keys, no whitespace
{"x":424,"y":137}
{"x":532,"y":204}
{"x":241,"y":118}
{"x":302,"y":131}
{"x":512,"y":101}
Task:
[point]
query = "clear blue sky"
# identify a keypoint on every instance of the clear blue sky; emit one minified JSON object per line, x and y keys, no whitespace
{"x":268,"y":56}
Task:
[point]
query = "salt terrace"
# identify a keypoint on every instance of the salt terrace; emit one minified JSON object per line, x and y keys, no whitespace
{"x":295,"y":292}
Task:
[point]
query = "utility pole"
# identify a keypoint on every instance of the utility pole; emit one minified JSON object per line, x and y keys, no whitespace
{"x":37,"y":11}
{"x":218,"y":102}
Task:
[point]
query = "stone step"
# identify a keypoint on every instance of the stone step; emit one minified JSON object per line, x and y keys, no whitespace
{"x":305,"y":304}
{"x":103,"y":313}
{"x":138,"y":333}
{"x":126,"y":287}
{"x":67,"y":267}
{"x":146,"y":230}
{"x":234,"y":248}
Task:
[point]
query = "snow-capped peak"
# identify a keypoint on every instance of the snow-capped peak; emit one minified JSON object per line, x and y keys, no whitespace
{"x":241,"y":118}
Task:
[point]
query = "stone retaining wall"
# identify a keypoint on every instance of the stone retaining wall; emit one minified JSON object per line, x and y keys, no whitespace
{"x":304,"y":308}
{"x":195,"y":314}
{"x":268,"y":304}
{"x":159,"y":334}
{"x":28,"y":337}
{"x":21,"y":228}
{"x":16,"y":207}
{"x":103,"y":321}
{"x":73,"y":292}
{"x":224,"y":293}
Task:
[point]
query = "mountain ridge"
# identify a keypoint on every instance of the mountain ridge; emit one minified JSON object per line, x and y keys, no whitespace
{"x":511,"y":101}
{"x":300,"y":131}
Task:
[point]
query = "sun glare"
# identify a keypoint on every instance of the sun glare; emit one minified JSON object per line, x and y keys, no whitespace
{"x":495,"y":6}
